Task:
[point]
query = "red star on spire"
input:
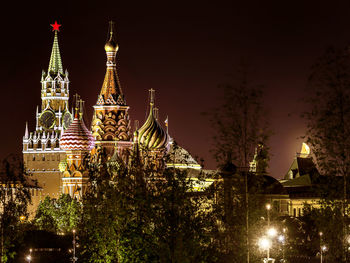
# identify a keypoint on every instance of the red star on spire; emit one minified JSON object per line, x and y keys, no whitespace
{"x":55,"y":26}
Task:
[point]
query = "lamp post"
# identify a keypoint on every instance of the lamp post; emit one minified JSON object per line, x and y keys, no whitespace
{"x":74,"y":259}
{"x":323,"y":248}
{"x":281,"y":239}
{"x":29,"y":257}
{"x":265,"y":244}
{"x":321,"y":254}
{"x":268,"y":208}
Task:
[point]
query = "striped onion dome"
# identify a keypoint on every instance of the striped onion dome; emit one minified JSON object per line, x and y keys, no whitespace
{"x":151,"y":135}
{"x":77,"y":137}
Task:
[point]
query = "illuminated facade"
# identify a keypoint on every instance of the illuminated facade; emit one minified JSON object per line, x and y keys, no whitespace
{"x":41,"y":152}
{"x":56,"y":152}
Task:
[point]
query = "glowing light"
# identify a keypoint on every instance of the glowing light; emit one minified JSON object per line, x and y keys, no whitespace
{"x":272,"y":232}
{"x":268,"y":206}
{"x":29,"y":258}
{"x":305,"y":149}
{"x":324,"y":248}
{"x":22,"y":218}
{"x":281,"y":238}
{"x":55,"y":26}
{"x":264,"y":243}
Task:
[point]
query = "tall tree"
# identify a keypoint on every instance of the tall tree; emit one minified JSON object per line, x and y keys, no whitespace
{"x":143,"y":213}
{"x":240,"y":124}
{"x":14,"y":199}
{"x":328,"y":119}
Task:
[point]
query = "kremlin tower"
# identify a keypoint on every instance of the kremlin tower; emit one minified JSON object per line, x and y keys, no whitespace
{"x":41,"y":151}
{"x":110,"y":123}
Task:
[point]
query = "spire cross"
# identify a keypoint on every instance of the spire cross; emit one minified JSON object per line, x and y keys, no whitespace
{"x":77,"y":98}
{"x":111,"y":27}
{"x":81,"y":105}
{"x":151,"y":92}
{"x":156,"y":113}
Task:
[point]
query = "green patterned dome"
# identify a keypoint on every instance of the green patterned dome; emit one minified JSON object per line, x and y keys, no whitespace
{"x":152,"y":135}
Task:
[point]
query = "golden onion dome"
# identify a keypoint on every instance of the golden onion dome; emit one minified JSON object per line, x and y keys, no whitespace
{"x":152,"y":135}
{"x":111,"y":46}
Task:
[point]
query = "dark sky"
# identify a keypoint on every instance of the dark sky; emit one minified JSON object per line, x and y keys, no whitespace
{"x":183,"y":50}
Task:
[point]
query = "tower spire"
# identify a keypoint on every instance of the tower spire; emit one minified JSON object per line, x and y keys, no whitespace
{"x":26,"y":133}
{"x":111,"y":92}
{"x":55,"y":65}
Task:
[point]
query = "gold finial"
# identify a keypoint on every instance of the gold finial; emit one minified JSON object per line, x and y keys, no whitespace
{"x":156,"y":113}
{"x":111,"y":45}
{"x":111,"y":29}
{"x":77,"y":99}
{"x":136,"y":125}
{"x":151,"y":94}
{"x":81,"y":105}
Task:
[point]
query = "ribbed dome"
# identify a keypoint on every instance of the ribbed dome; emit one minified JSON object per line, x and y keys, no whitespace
{"x":151,"y":134}
{"x":77,"y":137}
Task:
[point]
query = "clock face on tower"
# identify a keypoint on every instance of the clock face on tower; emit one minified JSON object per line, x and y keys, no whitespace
{"x":47,"y":119}
{"x":67,"y":120}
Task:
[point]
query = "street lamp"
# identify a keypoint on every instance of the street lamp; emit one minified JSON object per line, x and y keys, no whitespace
{"x":268,"y":208}
{"x":323,"y":249}
{"x":74,"y":259}
{"x":272,"y":232}
{"x":29,"y":257}
{"x":265,"y":244}
{"x":281,"y":239}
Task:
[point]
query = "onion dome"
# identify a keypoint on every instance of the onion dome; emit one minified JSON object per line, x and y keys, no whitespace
{"x":111,"y":45}
{"x":152,"y":135}
{"x":77,"y":137}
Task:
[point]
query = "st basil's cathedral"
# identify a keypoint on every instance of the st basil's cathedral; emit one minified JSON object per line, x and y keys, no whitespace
{"x":53,"y":153}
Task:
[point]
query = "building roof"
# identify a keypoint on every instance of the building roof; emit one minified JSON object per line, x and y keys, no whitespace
{"x":178,"y":157}
{"x":77,"y":137}
{"x":55,"y":65}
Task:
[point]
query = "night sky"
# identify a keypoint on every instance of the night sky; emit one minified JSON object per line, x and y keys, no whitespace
{"x":183,"y":50}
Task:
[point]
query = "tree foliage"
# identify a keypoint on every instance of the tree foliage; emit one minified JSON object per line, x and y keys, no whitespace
{"x":240,"y":122}
{"x":60,"y":215}
{"x":328,"y":116}
{"x":14,"y":199}
{"x":139,"y":213}
{"x":328,"y":128}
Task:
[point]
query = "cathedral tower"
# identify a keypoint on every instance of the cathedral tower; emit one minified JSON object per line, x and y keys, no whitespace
{"x":77,"y":141}
{"x":110,"y":123}
{"x":41,"y":152}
